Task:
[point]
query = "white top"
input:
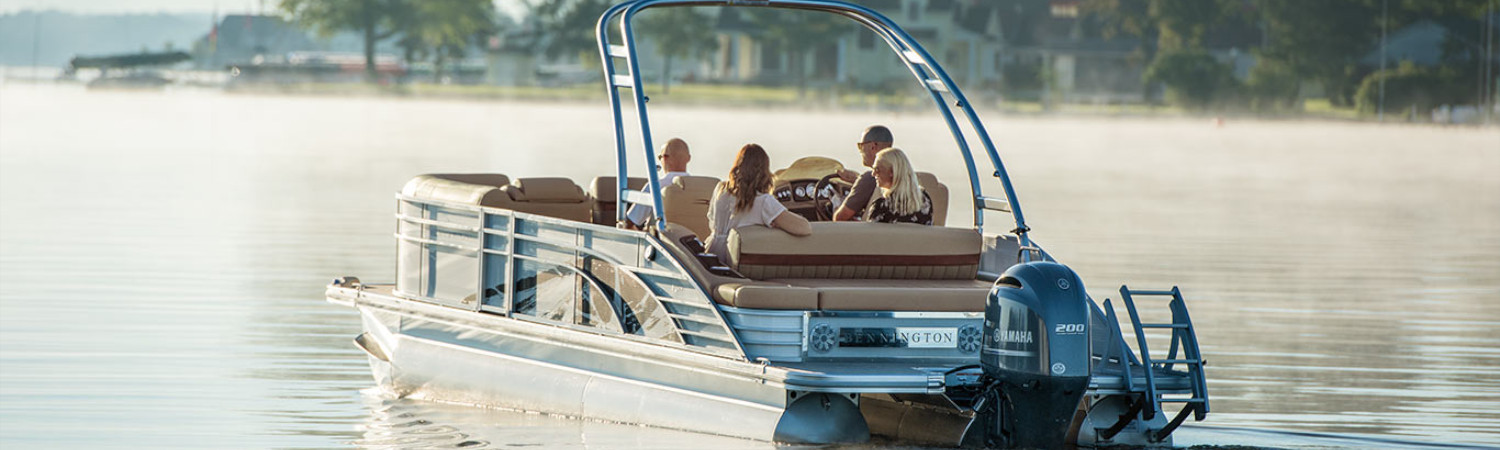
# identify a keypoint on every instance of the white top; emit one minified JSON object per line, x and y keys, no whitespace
{"x":637,"y":212}
{"x":722,"y":218}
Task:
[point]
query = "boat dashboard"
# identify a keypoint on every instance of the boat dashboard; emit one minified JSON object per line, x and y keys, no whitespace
{"x":811,"y":187}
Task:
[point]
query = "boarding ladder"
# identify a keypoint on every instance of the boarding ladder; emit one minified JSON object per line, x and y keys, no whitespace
{"x":1164,"y":383}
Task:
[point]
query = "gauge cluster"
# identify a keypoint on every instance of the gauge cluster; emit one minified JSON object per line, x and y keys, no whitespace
{"x":804,"y":191}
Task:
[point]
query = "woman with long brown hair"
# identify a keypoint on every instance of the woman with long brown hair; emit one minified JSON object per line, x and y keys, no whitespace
{"x":744,"y":199}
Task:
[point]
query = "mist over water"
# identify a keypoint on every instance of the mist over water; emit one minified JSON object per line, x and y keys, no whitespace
{"x":163,"y":257}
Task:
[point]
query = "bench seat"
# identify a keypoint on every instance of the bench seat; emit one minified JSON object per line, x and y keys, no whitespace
{"x":856,"y":267}
{"x":894,"y":295}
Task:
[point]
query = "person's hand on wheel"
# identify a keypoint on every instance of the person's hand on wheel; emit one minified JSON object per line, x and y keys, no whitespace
{"x":849,"y":176}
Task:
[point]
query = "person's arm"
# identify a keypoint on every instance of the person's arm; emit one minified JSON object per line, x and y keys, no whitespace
{"x":849,"y":176}
{"x":858,"y":197}
{"x":843,"y":215}
{"x":792,"y":223}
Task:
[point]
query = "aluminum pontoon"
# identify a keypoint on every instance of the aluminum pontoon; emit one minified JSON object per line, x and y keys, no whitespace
{"x":525,"y":294}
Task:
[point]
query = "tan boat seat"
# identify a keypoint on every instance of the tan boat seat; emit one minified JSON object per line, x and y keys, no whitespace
{"x":766,"y":295}
{"x":470,"y":189}
{"x":894,"y":295}
{"x":686,"y":202}
{"x":553,"y":197}
{"x":857,"y":250}
{"x":939,"y":193}
{"x":859,"y":267}
{"x":483,"y":179}
{"x":606,"y":197}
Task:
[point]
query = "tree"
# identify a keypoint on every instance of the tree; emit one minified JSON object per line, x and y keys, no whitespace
{"x":1172,"y":36}
{"x":1321,"y":41}
{"x":447,"y":28}
{"x":377,"y":20}
{"x":678,"y":33}
{"x":1194,"y":79}
{"x":1408,"y":87}
{"x":796,"y":33}
{"x":568,"y":25}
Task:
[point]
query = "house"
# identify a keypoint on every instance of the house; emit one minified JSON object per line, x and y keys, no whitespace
{"x":963,"y":34}
{"x":238,"y":39}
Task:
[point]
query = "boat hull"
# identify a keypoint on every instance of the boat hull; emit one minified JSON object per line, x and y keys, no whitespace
{"x":419,"y":356}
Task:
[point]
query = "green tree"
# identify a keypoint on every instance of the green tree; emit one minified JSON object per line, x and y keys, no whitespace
{"x":1164,"y":25}
{"x":1182,"y":24}
{"x":568,"y":26}
{"x":1193,"y":78}
{"x":448,"y":28}
{"x":797,"y":33}
{"x":1321,"y":41}
{"x":1408,"y":87}
{"x":678,"y":33}
{"x":376,"y":20}
{"x":1273,"y":86}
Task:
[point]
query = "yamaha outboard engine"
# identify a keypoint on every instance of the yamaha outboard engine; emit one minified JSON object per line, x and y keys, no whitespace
{"x":1035,"y":357}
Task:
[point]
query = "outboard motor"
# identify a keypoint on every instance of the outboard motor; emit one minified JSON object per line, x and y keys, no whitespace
{"x":1035,"y":357}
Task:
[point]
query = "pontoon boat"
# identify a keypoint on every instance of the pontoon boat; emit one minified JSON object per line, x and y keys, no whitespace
{"x":525,"y":293}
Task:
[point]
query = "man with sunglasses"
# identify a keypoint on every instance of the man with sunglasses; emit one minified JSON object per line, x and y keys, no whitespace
{"x":673,"y":158}
{"x":874,"y":139}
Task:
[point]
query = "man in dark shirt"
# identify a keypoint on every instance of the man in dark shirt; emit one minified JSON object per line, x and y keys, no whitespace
{"x":875,"y":139}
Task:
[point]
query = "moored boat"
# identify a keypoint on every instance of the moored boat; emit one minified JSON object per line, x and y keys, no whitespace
{"x":525,"y":293}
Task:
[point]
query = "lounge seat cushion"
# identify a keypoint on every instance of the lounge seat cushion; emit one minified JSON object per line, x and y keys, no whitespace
{"x":857,"y":250}
{"x":604,"y":191}
{"x":547,"y":190}
{"x":766,"y":295}
{"x":686,"y":202}
{"x":895,"y":295}
{"x":486,"y":179}
{"x":939,"y":194}
{"x":454,"y":188}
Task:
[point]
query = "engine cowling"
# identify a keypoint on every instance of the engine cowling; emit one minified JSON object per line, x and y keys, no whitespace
{"x":1035,"y":354}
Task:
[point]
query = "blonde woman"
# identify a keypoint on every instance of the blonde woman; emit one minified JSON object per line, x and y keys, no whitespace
{"x":744,"y":199}
{"x":902,"y":199}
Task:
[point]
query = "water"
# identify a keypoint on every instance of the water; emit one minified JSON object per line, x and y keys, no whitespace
{"x":163,"y":257}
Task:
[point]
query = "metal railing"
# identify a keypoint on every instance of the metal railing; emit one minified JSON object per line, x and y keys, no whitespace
{"x":945,"y":93}
{"x":498,"y":242}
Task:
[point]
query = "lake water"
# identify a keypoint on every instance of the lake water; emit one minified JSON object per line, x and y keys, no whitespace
{"x":163,"y":257}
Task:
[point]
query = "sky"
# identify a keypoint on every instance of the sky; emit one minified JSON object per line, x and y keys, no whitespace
{"x":511,"y":7}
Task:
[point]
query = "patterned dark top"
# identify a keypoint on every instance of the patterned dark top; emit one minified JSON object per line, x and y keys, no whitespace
{"x":880,"y":211}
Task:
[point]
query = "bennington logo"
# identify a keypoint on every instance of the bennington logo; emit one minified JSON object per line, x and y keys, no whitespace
{"x":898,"y":337}
{"x":1014,"y":337}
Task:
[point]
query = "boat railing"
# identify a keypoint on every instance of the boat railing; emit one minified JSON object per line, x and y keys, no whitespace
{"x":625,"y":75}
{"x":553,"y":271}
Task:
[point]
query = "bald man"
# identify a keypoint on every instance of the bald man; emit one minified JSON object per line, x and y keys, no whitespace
{"x":872,"y":141}
{"x":674,"y":157}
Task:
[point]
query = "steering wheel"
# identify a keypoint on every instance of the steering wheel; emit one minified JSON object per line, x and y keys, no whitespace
{"x":823,"y":204}
{"x":810,"y":188}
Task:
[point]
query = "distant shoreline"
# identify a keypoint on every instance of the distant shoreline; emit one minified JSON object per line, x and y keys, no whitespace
{"x":773,"y":98}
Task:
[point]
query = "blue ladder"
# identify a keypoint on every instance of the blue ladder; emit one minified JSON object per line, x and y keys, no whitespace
{"x":1183,"y":337}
